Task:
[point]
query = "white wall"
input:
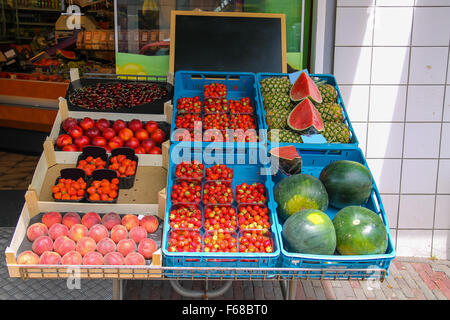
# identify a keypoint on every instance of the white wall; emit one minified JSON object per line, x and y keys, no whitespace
{"x":391,"y":59}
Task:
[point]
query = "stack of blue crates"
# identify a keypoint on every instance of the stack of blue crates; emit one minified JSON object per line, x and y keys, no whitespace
{"x":242,"y":156}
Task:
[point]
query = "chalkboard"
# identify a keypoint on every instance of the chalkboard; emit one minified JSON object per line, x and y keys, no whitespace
{"x":235,"y":42}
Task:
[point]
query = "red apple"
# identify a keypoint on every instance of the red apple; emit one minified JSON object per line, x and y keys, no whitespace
{"x":99,"y":141}
{"x":155,"y":150}
{"x":92,"y":132}
{"x":70,"y":147}
{"x":151,"y":126}
{"x":76,"y":132}
{"x":115,"y":142}
{"x":102,"y":124}
{"x":135,"y":125}
{"x":139,"y":150}
{"x":147,"y":144}
{"x":141,"y":134}
{"x":125,"y":134}
{"x":108,"y":133}
{"x":82,"y":141}
{"x":158,"y":136}
{"x":87,"y":123}
{"x":69,"y":123}
{"x":119,"y":125}
{"x":132,"y":143}
{"x":63,"y":140}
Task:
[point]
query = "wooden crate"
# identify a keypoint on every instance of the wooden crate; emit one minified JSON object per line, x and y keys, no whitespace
{"x":33,"y":207}
{"x":144,"y":159}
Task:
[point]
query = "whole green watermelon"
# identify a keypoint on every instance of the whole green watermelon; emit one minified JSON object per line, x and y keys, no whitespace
{"x":359,"y":231}
{"x":348,"y":183}
{"x":299,"y":192}
{"x":309,"y":231}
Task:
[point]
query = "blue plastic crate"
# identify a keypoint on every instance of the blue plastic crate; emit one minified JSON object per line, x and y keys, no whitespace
{"x":239,"y":85}
{"x":329,"y":79}
{"x":244,"y":172}
{"x":314,"y":161}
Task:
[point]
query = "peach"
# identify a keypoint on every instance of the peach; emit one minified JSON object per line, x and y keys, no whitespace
{"x":130,"y":221}
{"x":93,"y":258}
{"x":57,"y":230}
{"x":98,"y":232}
{"x":71,"y":218}
{"x":77,"y":232}
{"x":105,"y":246}
{"x":137,"y":234}
{"x":50,"y":257}
{"x":150,"y":223}
{"x":147,"y":247}
{"x":28,"y":257}
{"x":118,"y":233}
{"x":50,"y":218}
{"x":41,"y":244}
{"x":72,"y":258}
{"x":86,"y":245}
{"x":90,"y":219}
{"x":110,"y":220}
{"x":125,"y":246}
{"x":113,"y":259}
{"x":134,"y":259}
{"x":36,"y":230}
{"x":64,"y":244}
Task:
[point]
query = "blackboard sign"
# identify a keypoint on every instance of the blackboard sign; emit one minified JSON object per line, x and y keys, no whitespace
{"x":227,"y":41}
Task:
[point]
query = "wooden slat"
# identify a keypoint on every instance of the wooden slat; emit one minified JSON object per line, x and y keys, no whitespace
{"x":30,"y":88}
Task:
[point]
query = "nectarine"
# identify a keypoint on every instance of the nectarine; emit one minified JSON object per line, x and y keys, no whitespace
{"x":85,"y":245}
{"x":50,"y":218}
{"x":150,"y":223}
{"x":72,"y":258}
{"x":98,"y":232}
{"x":41,"y":244}
{"x":93,"y":258}
{"x":71,"y":218}
{"x":90,"y":219}
{"x":57,"y":230}
{"x":50,"y":257}
{"x":125,"y":246}
{"x":118,"y":233}
{"x":110,"y":220}
{"x":137,"y":234}
{"x":36,"y":230}
{"x":28,"y":257}
{"x":113,"y":258}
{"x":105,"y":246}
{"x":134,"y":259}
{"x":64,"y":244}
{"x":130,"y":221}
{"x":147,"y":247}
{"x":77,"y":232}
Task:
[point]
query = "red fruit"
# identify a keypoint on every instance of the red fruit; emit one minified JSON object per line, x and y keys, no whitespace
{"x":111,"y":219}
{"x":90,"y":219}
{"x":102,"y":124}
{"x":70,"y":147}
{"x":98,"y":232}
{"x":41,"y":244}
{"x":99,"y":141}
{"x":108,"y":133}
{"x":28,"y":257}
{"x":63,"y":245}
{"x":50,"y":218}
{"x":139,"y":150}
{"x":57,"y":230}
{"x":118,"y":233}
{"x":125,"y":246}
{"x":147,"y":247}
{"x":115,"y":142}
{"x":134,"y":259}
{"x":151,"y":126}
{"x":68,"y":123}
{"x":132,"y":143}
{"x":49,"y":257}
{"x":114,"y":259}
{"x":36,"y":230}
{"x":75,"y":132}
{"x":137,"y":234}
{"x":93,"y":258}
{"x":63,"y":140}
{"x":92,"y":132}
{"x":130,"y":221}
{"x":71,"y":218}
{"x":141,"y":134}
{"x":150,"y":223}
{"x":78,"y":231}
{"x":119,"y":125}
{"x":72,"y":258}
{"x":105,"y":246}
{"x":87,"y":123}
{"x":158,"y":136}
{"x":148,"y":144}
{"x":135,"y":125}
{"x":125,"y":134}
{"x":86,"y":245}
{"x":155,"y":150}
{"x":81,"y":142}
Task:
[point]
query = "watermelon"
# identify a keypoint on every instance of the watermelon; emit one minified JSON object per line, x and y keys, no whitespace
{"x":305,"y":88}
{"x":309,"y":231}
{"x":299,"y":192}
{"x":305,"y":118}
{"x":359,"y":231}
{"x":288,"y":160}
{"x":347,"y":183}
{"x":67,"y":54}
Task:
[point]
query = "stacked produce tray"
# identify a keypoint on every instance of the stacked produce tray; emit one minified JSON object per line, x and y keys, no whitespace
{"x":189,"y":84}
{"x":244,"y":172}
{"x":328,"y":79}
{"x":352,"y":266}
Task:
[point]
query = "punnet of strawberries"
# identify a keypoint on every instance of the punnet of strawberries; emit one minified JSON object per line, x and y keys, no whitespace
{"x":217,"y":241}
{"x":189,"y":170}
{"x":184,"y":240}
{"x":90,"y":164}
{"x":185,"y":191}
{"x":241,"y":106}
{"x":185,"y":217}
{"x":219,"y":172}
{"x":253,"y":217}
{"x":220,"y":218}
{"x":214,"y":105}
{"x":187,"y":120}
{"x":217,"y":192}
{"x":251,"y":193}
{"x":189,"y":105}
{"x":255,"y":241}
{"x":123,"y":166}
{"x":216,"y":90}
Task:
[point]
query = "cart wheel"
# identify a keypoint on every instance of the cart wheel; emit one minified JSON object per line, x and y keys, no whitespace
{"x":200,"y":294}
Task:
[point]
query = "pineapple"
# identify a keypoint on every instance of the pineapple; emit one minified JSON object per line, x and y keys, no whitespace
{"x":277,"y":118}
{"x":330,"y":112}
{"x":286,"y":136}
{"x":277,"y":101}
{"x":336,"y":132}
{"x":275,"y":85}
{"x":328,"y":92}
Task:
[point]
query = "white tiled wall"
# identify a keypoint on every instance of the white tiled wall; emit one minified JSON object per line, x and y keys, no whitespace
{"x":392,"y":63}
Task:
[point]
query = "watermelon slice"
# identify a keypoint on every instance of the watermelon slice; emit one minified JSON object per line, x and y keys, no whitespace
{"x":66,"y":54}
{"x":305,"y":118}
{"x":305,"y":87}
{"x":288,"y":158}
